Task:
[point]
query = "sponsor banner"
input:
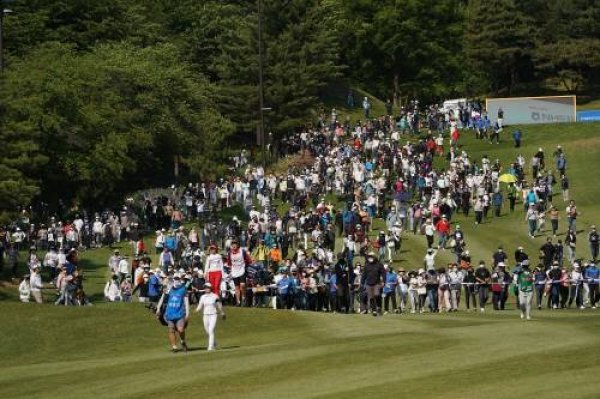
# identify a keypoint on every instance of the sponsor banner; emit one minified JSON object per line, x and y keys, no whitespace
{"x":532,"y":110}
{"x":589,"y":116}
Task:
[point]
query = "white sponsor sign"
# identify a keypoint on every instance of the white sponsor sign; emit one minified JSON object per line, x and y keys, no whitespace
{"x":531,"y":110}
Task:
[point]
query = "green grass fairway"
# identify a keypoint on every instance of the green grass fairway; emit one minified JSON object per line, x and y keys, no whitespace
{"x":119,"y":350}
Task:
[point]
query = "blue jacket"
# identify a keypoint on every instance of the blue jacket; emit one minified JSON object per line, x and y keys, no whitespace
{"x":153,"y":286}
{"x":391,"y":282}
{"x":348,"y":217}
{"x":592,"y":272}
{"x":284,"y":285}
{"x":171,"y":242}
{"x":332,"y":283}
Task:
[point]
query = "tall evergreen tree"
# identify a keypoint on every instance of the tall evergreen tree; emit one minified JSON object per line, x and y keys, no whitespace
{"x":568,"y":53}
{"x":500,"y":42}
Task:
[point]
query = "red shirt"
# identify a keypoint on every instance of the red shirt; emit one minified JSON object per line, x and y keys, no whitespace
{"x":442,"y":226}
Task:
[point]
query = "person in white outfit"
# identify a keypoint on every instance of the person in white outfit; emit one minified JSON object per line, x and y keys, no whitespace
{"x":35,"y":284}
{"x":24,"y":289}
{"x":210,"y":305}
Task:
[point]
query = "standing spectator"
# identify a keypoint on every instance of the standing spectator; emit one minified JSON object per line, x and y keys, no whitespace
{"x":367,"y":107}
{"x":12,"y":255}
{"x":576,"y":292}
{"x":456,"y":279}
{"x":594,"y":240}
{"x":482,"y":278}
{"x":389,"y":289}
{"x":373,"y":279}
{"x":532,"y":219}
{"x":165,"y":260}
{"x":123,"y":269}
{"x":540,"y":278}
{"x":35,"y":284}
{"x":443,"y":229}
{"x":429,"y":260}
{"x":572,"y":214}
{"x":561,"y":163}
{"x":432,"y":286}
{"x":547,"y":252}
{"x":571,"y":242}
{"x":517,"y":135}
{"x":554,"y":275}
{"x":25,"y":289}
{"x":553,"y":214}
{"x":592,"y":274}
{"x":564,"y":185}
{"x":497,"y":200}
{"x":113,"y":262}
{"x":469,"y":282}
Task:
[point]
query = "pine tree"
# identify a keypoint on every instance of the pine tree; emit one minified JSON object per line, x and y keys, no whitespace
{"x":500,"y":42}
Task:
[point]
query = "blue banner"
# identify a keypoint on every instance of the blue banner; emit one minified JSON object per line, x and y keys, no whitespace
{"x":588,"y":116}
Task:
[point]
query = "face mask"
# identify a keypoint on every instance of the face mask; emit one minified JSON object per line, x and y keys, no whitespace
{"x":176,"y":284}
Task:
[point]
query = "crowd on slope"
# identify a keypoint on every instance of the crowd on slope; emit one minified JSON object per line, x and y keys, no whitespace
{"x":381,"y":169}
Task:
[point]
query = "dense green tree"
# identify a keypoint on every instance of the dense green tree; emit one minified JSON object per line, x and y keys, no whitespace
{"x":300,"y":56}
{"x":500,"y":43}
{"x":110,"y":118}
{"x":569,"y":50}
{"x":395,"y":46}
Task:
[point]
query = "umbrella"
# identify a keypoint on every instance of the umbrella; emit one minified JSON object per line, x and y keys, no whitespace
{"x":507,"y":178}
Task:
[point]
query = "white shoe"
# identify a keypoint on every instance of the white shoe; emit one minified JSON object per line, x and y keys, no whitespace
{"x":582,"y":307}
{"x":522,"y":316}
{"x":482,"y":310}
{"x":528,"y":317}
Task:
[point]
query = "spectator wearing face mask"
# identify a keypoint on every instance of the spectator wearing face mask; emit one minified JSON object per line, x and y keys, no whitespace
{"x":373,"y":279}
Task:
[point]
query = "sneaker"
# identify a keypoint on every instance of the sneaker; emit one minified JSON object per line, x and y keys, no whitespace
{"x":528,"y":317}
{"x":386,"y":312}
{"x":412,"y":312}
{"x":594,"y":307}
{"x":582,"y":307}
{"x":522,"y":316}
{"x":482,"y":310}
{"x":174,"y":349}
{"x":374,"y":314}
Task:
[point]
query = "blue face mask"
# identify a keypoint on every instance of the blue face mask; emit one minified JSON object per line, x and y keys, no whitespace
{"x":176,"y":283}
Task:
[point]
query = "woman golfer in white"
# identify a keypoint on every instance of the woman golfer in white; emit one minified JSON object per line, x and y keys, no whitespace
{"x":211,"y":305}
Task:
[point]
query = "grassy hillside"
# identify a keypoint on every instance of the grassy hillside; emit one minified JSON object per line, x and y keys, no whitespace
{"x":119,"y":350}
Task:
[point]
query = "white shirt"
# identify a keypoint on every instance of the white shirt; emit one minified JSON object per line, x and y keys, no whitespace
{"x":208,"y":303}
{"x":123,"y":266}
{"x":214,"y":263}
{"x":35,"y":282}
